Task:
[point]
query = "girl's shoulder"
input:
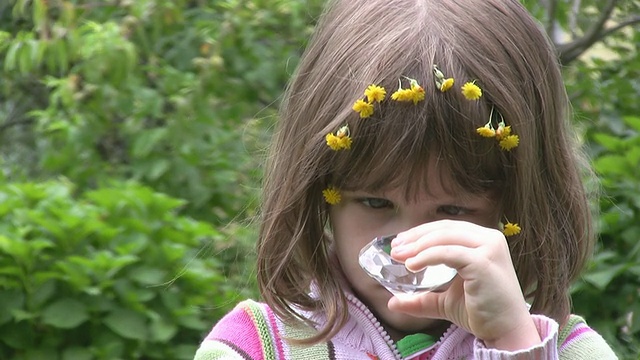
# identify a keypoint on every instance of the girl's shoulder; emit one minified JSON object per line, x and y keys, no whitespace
{"x":238,"y":335}
{"x":576,"y":340}
{"x":252,"y":331}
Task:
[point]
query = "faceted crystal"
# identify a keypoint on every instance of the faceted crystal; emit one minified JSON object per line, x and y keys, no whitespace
{"x":395,"y":277}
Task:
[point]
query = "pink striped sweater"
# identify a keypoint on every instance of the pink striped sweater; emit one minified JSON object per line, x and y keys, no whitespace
{"x":252,"y":331}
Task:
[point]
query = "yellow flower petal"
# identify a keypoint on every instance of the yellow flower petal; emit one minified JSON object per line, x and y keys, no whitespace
{"x":471,"y":91}
{"x":486,"y":132}
{"x":402,"y":95}
{"x":446,"y":84}
{"x":345,"y":142}
{"x":375,"y":93}
{"x":509,"y":142}
{"x":340,"y":140}
{"x":503,"y":131}
{"x":364,"y":108}
{"x":332,"y":195}
{"x":511,"y":229}
{"x":417,"y":94}
{"x":333,"y":141}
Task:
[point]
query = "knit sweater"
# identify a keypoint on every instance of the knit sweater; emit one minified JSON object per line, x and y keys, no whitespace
{"x":252,"y":331}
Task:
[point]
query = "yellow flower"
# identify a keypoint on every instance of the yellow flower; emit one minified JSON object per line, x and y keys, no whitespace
{"x":503,"y":131}
{"x":340,"y":140}
{"x":345,"y":142}
{"x":332,"y":195}
{"x":402,"y":95}
{"x":486,"y":131}
{"x":375,"y":93}
{"x":364,"y":108}
{"x":446,"y":84}
{"x":509,"y":142}
{"x":471,"y":91}
{"x":333,"y":142}
{"x":417,"y":93}
{"x":511,"y":229}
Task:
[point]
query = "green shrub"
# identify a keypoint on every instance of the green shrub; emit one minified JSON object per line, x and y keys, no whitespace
{"x":177,"y":95}
{"x":609,"y":293}
{"x":113,"y":273}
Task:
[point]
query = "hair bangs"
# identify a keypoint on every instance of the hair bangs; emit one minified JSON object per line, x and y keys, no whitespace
{"x":392,"y":148}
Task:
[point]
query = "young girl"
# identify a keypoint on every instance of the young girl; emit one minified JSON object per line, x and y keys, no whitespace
{"x":445,"y":122}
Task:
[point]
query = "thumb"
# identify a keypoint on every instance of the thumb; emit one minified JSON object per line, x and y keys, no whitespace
{"x":428,"y":305}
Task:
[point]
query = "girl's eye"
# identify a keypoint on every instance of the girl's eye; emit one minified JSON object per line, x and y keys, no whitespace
{"x":452,"y":210}
{"x":376,"y":203}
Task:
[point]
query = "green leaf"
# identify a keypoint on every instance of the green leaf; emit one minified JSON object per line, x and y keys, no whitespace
{"x":611,"y":165}
{"x":16,"y":248}
{"x":148,"y":276}
{"x":44,"y":292}
{"x":10,"y":300}
{"x":192,"y":321}
{"x":147,"y":141}
{"x":21,"y":315}
{"x":127,"y":323}
{"x":610,"y":142}
{"x":633,"y":121}
{"x":77,"y":353}
{"x":184,"y":351}
{"x":162,"y":330}
{"x":65,"y":314}
{"x":158,"y":168}
{"x":601,"y":279}
{"x":17,"y":335}
{"x":40,"y":353}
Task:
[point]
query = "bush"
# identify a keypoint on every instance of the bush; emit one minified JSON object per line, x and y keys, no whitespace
{"x":112,"y":273}
{"x":609,"y":293}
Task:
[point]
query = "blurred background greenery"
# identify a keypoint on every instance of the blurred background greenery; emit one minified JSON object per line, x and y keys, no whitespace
{"x":132,"y":133}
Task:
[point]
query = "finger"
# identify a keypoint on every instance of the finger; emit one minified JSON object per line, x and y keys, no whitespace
{"x":427,"y":305}
{"x":417,"y":231}
{"x":454,"y":256}
{"x":444,"y":236}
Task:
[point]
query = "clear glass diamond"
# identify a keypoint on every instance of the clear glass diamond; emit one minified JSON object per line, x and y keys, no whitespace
{"x":395,"y":277}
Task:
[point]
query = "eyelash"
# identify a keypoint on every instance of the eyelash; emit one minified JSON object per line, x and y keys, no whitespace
{"x":368,"y":202}
{"x":380,"y":203}
{"x":453,"y":210}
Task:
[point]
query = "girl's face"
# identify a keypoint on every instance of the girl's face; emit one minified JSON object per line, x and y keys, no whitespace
{"x":362,"y":216}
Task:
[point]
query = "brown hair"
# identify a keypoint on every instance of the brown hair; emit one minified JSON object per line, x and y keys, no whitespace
{"x":362,"y":42}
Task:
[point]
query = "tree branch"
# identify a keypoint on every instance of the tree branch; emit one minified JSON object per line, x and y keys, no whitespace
{"x":552,"y":5}
{"x":571,"y":50}
{"x":573,"y":19}
{"x":630,"y":21}
{"x":570,"y":55}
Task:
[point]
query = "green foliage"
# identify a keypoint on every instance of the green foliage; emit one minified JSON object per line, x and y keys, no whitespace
{"x":613,"y":279}
{"x":112,"y":273}
{"x":180,"y":96}
{"x":174,"y":94}
{"x":597,"y":43}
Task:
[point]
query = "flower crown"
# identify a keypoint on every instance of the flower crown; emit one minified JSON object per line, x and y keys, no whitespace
{"x":495,"y":128}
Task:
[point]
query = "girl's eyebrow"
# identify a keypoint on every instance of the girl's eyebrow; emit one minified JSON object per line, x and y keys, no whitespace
{"x":464,"y":197}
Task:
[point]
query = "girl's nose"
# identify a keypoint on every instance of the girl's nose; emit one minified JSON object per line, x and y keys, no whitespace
{"x":415,"y":218}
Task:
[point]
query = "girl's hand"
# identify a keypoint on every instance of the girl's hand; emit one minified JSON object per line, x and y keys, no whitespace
{"x":485,"y":298}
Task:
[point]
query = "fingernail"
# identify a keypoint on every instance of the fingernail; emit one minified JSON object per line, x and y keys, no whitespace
{"x":399,"y":250}
{"x":398,"y":240}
